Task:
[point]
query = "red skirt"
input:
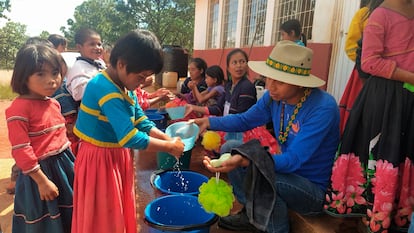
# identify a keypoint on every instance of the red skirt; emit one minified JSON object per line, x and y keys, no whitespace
{"x":351,"y":92}
{"x":104,"y":196}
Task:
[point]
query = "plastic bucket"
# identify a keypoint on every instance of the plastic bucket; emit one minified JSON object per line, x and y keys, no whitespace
{"x":158,"y":119}
{"x":167,"y":161}
{"x":179,"y":182}
{"x":178,"y":213}
{"x":187,"y":132}
{"x":151,"y":111}
{"x":176,"y":112}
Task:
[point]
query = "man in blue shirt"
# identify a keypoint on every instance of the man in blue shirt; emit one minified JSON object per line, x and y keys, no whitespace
{"x":306,"y":124}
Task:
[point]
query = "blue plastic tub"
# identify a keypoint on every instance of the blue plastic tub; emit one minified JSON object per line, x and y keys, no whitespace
{"x":178,"y":213}
{"x":179,"y":182}
{"x":187,"y":132}
{"x":159,"y":120}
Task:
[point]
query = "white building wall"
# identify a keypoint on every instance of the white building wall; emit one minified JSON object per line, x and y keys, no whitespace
{"x":323,"y":21}
{"x":201,"y":24}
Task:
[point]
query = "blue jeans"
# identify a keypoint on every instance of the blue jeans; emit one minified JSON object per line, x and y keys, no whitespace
{"x":294,"y":192}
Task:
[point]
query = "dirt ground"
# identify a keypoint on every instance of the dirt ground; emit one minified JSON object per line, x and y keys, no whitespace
{"x":6,"y":161}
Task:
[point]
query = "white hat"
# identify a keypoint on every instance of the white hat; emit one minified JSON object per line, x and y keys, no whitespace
{"x":289,"y":63}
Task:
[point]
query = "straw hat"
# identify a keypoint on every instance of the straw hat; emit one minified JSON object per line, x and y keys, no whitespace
{"x":289,"y":63}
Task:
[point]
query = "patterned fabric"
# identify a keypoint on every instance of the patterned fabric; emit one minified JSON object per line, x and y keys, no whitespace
{"x":373,"y":173}
{"x":109,"y":117}
{"x":36,"y":131}
{"x":34,"y":215}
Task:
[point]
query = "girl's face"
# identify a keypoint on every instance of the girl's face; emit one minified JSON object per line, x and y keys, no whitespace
{"x":45,"y":82}
{"x":237,"y":66}
{"x":92,"y":48}
{"x":61,"y":48}
{"x":195,"y":73}
{"x":280,"y":91}
{"x":288,"y":36}
{"x":130,"y":81}
{"x":211,"y":82}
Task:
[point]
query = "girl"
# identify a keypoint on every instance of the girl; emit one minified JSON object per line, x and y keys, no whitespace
{"x":89,"y":44}
{"x":197,"y":69}
{"x":377,"y":150}
{"x":210,"y":97}
{"x":110,"y":122}
{"x":292,"y":30}
{"x":354,"y":85}
{"x":37,"y":133}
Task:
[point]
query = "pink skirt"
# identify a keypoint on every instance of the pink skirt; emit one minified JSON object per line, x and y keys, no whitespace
{"x":104,"y":196}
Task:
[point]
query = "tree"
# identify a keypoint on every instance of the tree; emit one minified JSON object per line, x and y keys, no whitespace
{"x":171,"y":20}
{"x":101,"y":16}
{"x":12,"y":37}
{"x":4,"y":6}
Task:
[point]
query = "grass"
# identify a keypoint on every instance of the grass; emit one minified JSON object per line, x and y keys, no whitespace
{"x":6,"y":92}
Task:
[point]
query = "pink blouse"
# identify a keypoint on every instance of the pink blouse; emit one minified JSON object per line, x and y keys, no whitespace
{"x":388,"y":42}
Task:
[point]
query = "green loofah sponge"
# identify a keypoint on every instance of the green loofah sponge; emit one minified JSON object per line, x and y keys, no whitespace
{"x":216,"y":197}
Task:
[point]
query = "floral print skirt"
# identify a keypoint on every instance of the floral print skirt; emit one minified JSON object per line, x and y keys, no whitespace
{"x":373,"y":174}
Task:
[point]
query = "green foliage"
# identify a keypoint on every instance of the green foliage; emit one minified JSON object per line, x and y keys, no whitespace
{"x":6,"y":92}
{"x":171,"y":20}
{"x":12,"y":37}
{"x":102,"y":16}
{"x":4,"y":6}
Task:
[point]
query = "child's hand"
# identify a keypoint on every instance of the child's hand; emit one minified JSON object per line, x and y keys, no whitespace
{"x":188,"y":109}
{"x":48,"y":190}
{"x":176,"y":147}
{"x":192,"y":85}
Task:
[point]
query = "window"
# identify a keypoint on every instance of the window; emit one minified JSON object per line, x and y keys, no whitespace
{"x":230,"y":23}
{"x":213,"y":25}
{"x":254,"y":25}
{"x":301,"y":10}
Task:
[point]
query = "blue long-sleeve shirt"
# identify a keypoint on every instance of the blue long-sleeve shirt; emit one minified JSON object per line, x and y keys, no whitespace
{"x":109,"y":117}
{"x":312,"y":141}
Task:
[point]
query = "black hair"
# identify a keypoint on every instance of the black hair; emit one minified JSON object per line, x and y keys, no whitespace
{"x":140,"y":50}
{"x":57,"y":40}
{"x":30,"y":59}
{"x":216,"y":72}
{"x":200,"y":64}
{"x":83,"y":34}
{"x":230,"y":54}
{"x":295,"y":26}
{"x":37,"y":40}
{"x":372,"y":5}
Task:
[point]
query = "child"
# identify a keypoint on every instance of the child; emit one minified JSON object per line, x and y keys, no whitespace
{"x":37,"y":133}
{"x":355,"y":82}
{"x":89,"y":44}
{"x":197,"y":69}
{"x":109,"y":123}
{"x":210,"y":97}
{"x":59,"y":42}
{"x":147,"y":99}
{"x":373,"y":173}
{"x":292,"y":30}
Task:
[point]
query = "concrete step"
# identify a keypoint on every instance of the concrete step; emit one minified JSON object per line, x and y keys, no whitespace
{"x":325,"y":224}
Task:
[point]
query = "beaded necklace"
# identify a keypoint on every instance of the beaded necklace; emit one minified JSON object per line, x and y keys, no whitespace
{"x":284,"y":134}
